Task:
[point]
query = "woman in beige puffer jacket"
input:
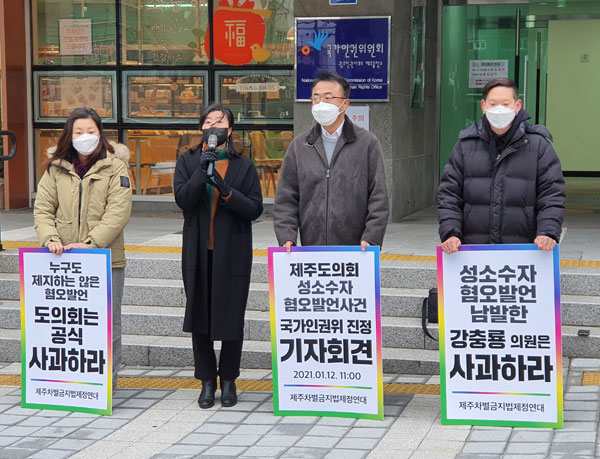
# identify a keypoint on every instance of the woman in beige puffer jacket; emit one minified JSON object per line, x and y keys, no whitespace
{"x":83,"y":200}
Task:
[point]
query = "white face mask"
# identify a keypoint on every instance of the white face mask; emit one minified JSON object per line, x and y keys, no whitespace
{"x":325,"y":114}
{"x":500,"y":116}
{"x":85,"y":144}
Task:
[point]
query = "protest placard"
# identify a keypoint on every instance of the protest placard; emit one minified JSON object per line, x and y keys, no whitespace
{"x":500,"y":336}
{"x":66,"y":330}
{"x":326,"y":331}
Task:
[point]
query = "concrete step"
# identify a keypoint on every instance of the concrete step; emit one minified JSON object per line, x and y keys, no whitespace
{"x":397,"y":332}
{"x":395,"y":302}
{"x":170,"y":293}
{"x":177,"y":351}
{"x":394,"y":274}
{"x":574,"y":346}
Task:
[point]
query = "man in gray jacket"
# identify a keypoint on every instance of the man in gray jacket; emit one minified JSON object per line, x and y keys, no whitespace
{"x":332,"y":182}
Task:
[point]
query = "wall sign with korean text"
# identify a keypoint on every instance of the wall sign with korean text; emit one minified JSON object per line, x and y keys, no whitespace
{"x":500,"y":336}
{"x":357,"y":48}
{"x":66,"y":330}
{"x":75,"y":37}
{"x":326,"y":331}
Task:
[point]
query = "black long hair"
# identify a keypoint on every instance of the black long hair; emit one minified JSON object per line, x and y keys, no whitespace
{"x":65,"y":149}
{"x":227,"y":113}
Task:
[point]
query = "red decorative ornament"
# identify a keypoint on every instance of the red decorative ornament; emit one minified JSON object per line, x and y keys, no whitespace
{"x":239,"y":33}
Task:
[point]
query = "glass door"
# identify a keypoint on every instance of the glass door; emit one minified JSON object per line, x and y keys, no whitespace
{"x":479,"y":42}
{"x":548,"y":48}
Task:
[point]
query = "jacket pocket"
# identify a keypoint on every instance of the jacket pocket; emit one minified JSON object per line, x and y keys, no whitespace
{"x":240,"y":254}
{"x":64,"y":228}
{"x":530,"y":223}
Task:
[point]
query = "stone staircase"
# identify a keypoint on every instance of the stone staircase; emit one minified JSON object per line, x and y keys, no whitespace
{"x":153,"y":306}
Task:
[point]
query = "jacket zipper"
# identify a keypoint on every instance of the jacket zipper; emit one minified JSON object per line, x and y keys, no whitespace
{"x":327,"y":211}
{"x":79,"y":214}
{"x":515,"y":145}
{"x":327,"y":174}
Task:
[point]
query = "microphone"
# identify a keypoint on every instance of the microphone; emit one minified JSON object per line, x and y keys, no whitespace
{"x":212,"y":144}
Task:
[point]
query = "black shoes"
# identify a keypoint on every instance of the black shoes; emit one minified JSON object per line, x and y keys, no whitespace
{"x":207,"y":396}
{"x":228,"y":394}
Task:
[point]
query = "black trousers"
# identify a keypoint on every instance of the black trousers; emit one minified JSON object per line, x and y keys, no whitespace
{"x":205,"y":360}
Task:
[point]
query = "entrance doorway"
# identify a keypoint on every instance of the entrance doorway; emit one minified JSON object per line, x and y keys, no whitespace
{"x":552,"y":50}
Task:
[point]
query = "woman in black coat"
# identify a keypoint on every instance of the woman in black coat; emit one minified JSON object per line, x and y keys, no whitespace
{"x":219,"y":192}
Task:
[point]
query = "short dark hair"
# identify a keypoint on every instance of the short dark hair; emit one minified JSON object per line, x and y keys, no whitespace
{"x":328,"y":75}
{"x":227,"y":113}
{"x":504,"y":82}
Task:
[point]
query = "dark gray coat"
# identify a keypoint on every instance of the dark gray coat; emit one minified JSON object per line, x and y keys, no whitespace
{"x":338,"y":204}
{"x":232,"y":245}
{"x":509,"y":198}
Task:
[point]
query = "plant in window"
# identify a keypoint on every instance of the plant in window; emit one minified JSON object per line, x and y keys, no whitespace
{"x":197,"y":45}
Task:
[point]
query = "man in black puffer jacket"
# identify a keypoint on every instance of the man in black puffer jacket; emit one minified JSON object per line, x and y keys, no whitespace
{"x":503,"y":182}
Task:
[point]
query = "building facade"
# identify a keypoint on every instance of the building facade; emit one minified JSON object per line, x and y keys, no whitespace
{"x":149,"y":67}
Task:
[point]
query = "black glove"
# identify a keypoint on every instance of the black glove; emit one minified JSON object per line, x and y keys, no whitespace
{"x":217,"y":181}
{"x":207,"y":157}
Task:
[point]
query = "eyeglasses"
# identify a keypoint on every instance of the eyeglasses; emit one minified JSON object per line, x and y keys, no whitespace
{"x":327,"y":99}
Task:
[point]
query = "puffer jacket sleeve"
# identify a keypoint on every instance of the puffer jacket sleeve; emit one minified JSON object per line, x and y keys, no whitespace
{"x":378,"y":204}
{"x":550,"y":189}
{"x":117,"y":212}
{"x":189,"y":185}
{"x":44,"y":210}
{"x":450,"y":196}
{"x":246,"y":204}
{"x":287,"y":199}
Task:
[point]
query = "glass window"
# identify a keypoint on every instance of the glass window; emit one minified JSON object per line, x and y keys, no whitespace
{"x":267,"y":149}
{"x":46,"y":138}
{"x":58,"y":93}
{"x":257,"y":97}
{"x":164,"y":32}
{"x":164,"y":96}
{"x":152,"y":162}
{"x":68,"y":32}
{"x":253,"y":32}
{"x":417,"y":64}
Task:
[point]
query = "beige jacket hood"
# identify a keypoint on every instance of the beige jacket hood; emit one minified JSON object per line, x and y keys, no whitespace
{"x":94,"y":209}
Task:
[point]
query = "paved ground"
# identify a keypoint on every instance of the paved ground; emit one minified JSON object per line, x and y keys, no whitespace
{"x":166,"y":423}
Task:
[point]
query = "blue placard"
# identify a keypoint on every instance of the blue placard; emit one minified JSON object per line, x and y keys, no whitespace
{"x":343,"y":2}
{"x":356,"y":48}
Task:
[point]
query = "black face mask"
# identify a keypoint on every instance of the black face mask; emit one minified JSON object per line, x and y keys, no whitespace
{"x":221,"y":133}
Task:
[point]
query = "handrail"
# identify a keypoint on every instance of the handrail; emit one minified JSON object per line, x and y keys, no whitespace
{"x":13,"y":149}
